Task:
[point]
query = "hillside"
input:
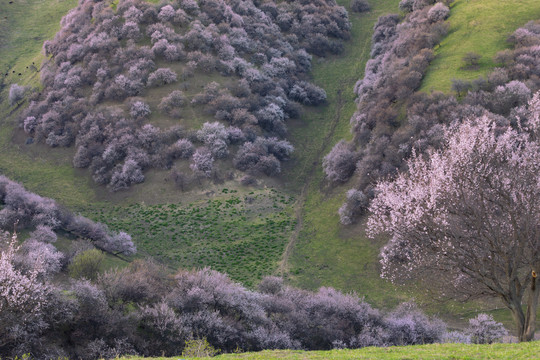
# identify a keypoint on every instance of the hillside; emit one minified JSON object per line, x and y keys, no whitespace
{"x":73,"y":187}
{"x":286,"y":225}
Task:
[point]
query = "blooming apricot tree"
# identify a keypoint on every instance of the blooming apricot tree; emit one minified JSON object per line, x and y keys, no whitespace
{"x":467,"y":218}
{"x":18,"y":291}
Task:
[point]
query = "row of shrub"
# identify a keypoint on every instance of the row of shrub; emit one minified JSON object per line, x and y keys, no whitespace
{"x":104,"y":61}
{"x":393,"y":120}
{"x":25,"y":210}
{"x":143,"y":310}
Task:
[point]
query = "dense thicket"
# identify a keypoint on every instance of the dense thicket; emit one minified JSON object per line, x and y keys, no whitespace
{"x":143,"y":310}
{"x":105,"y":60}
{"x":25,"y":210}
{"x":393,"y":120}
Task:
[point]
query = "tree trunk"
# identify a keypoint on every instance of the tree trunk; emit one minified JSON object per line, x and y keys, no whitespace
{"x":519,"y":319}
{"x":529,"y":325}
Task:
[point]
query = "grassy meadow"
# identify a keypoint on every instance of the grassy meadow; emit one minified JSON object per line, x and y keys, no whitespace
{"x":480,"y":26}
{"x":523,"y":351}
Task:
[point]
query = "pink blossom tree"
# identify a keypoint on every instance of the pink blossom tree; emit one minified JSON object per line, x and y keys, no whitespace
{"x":467,"y":218}
{"x":23,"y":296}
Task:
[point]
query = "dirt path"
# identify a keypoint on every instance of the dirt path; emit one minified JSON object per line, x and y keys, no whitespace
{"x":300,"y":202}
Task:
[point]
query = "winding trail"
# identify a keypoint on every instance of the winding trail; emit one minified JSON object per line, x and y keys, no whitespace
{"x":299,"y":206}
{"x":357,"y":71}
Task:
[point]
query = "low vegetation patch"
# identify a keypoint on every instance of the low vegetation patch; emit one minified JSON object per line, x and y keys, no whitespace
{"x":241,"y":235}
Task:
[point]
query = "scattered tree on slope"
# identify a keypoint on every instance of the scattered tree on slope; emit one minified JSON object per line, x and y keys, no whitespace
{"x":106,"y":54}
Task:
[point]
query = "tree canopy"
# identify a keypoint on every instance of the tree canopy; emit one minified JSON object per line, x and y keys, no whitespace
{"x":467,"y":217}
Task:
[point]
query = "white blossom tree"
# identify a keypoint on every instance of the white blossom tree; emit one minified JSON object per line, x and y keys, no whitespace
{"x":467,"y":218}
{"x":23,"y":295}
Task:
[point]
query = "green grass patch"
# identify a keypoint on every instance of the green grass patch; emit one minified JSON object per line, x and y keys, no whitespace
{"x":241,"y":235}
{"x":327,"y":253}
{"x":520,"y":351}
{"x":24,"y":25}
{"x":480,"y":26}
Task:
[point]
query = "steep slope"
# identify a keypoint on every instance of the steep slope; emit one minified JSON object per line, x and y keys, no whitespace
{"x":49,"y":172}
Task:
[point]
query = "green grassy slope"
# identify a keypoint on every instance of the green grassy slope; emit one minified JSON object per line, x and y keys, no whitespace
{"x":523,"y":351}
{"x":24,"y":25}
{"x":326,"y":253}
{"x":480,"y":26}
{"x":239,"y":233}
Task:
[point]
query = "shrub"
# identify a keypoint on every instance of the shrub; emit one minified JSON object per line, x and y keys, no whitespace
{"x":409,"y":326}
{"x":23,"y":300}
{"x":340,"y":163}
{"x":183,"y":148}
{"x":471,"y":60}
{"x":139,"y":110}
{"x":360,"y":6}
{"x":16,"y":94}
{"x":460,"y":86}
{"x":161,"y":76}
{"x":484,"y":330}
{"x":171,"y":103}
{"x":35,"y":254}
{"x":199,"y":348}
{"x":203,"y":162}
{"x":438,"y":12}
{"x":406,"y":5}
{"x":129,"y":173}
{"x":43,"y":234}
{"x":86,"y":265}
{"x":356,"y":204}
{"x":456,"y":337}
{"x":248,"y":180}
{"x":166,"y":13}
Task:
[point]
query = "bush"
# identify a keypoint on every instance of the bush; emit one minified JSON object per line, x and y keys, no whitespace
{"x":203,"y":162}
{"x":199,"y":348}
{"x":161,"y":76}
{"x":406,"y":5}
{"x":484,"y":330}
{"x":438,"y":12}
{"x":86,"y":265}
{"x":340,"y":163}
{"x":16,"y":94}
{"x":409,"y":326}
{"x":139,"y":110}
{"x":43,"y":234}
{"x":456,"y":337}
{"x":172,"y":103}
{"x":360,"y":6}
{"x":471,"y":60}
{"x":356,"y":204}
